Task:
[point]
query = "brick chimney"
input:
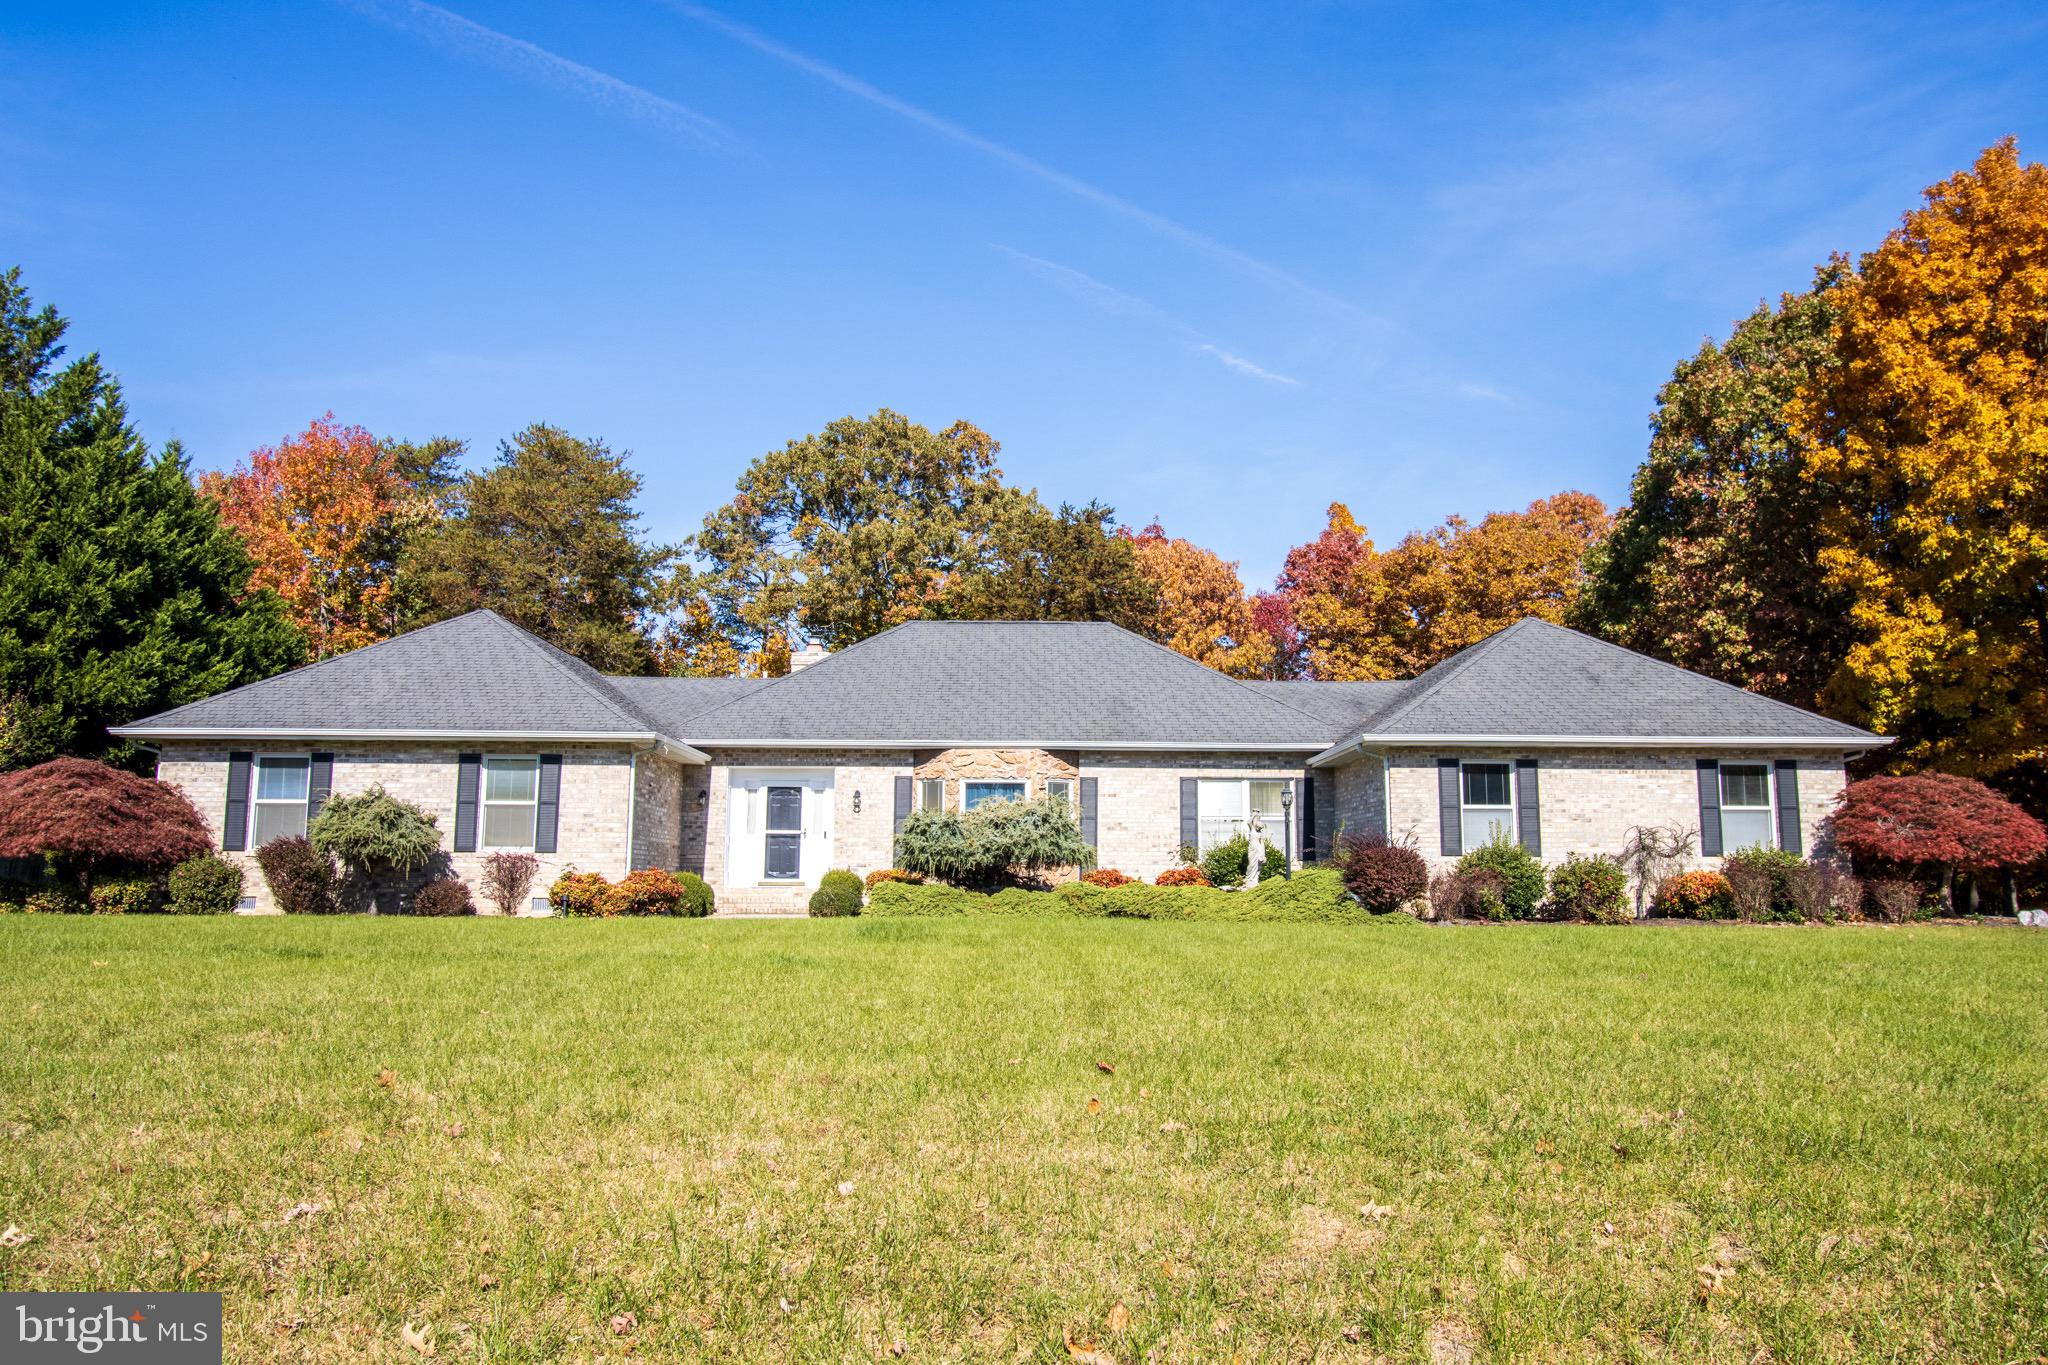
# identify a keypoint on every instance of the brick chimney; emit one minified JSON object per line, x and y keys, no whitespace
{"x":805,"y":657}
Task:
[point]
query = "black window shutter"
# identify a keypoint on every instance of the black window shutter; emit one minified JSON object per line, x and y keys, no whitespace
{"x":1190,"y":833}
{"x":1710,"y":808}
{"x":1088,"y":811}
{"x":1306,"y":804}
{"x":1528,"y":806}
{"x":547,"y":812}
{"x":903,"y":789}
{"x":1447,"y":806}
{"x":319,"y":786}
{"x":468,"y":767}
{"x":1788,"y":804}
{"x":234,"y":825}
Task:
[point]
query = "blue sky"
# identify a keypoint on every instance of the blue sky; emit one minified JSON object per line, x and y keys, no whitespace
{"x":1216,"y":263}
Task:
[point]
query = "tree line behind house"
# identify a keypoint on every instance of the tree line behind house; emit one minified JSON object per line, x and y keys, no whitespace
{"x":1841,"y":506}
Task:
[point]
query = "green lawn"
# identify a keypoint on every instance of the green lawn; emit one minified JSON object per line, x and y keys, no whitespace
{"x":813,"y":1140}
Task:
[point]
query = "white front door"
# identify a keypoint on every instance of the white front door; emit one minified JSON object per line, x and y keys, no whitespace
{"x":778,"y":827}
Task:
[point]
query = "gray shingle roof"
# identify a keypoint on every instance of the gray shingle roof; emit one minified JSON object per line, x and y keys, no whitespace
{"x":674,"y":702}
{"x":1048,"y":682}
{"x":1537,"y":679}
{"x":475,"y":674}
{"x":1346,"y":705}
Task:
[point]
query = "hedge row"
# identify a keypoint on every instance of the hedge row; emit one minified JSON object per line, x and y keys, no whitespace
{"x":1311,"y":895}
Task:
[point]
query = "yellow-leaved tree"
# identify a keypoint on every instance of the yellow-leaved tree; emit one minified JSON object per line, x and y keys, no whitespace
{"x":1931,"y":436}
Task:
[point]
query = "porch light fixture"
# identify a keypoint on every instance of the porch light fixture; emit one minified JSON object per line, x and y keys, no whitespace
{"x":856,"y":800}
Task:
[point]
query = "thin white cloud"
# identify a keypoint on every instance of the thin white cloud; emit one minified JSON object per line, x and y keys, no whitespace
{"x":450,"y":30}
{"x":1109,"y":299}
{"x":1016,"y":160}
{"x":1486,"y":393}
{"x":1243,"y":366}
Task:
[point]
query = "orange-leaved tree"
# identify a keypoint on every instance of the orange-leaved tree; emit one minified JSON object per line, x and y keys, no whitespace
{"x":1202,"y":611}
{"x":1930,"y":438}
{"x":315,"y":511}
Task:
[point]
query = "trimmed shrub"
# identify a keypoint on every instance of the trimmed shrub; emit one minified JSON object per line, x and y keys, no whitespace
{"x":1312,"y":895}
{"x":1594,"y":889}
{"x":1694,"y":895}
{"x":206,"y":885}
{"x":580,"y":895}
{"x":698,"y":898}
{"x":378,"y":839}
{"x":838,"y":895}
{"x":301,"y":877}
{"x":443,"y":898}
{"x":1897,"y":899}
{"x":1106,"y":876}
{"x":508,"y":880}
{"x":1384,"y":876}
{"x":1520,"y":872}
{"x":998,"y":842}
{"x":889,"y":874}
{"x":650,"y":891}
{"x":124,"y":894}
{"x":1486,"y":895}
{"x":1447,"y":896}
{"x":83,"y":816}
{"x":1760,"y":880}
{"x":1183,"y":876}
{"x":1225,"y":864}
{"x":58,"y":898}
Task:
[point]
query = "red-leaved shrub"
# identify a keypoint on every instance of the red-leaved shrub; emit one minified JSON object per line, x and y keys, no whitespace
{"x":84,"y":816}
{"x":1108,"y":876}
{"x":892,"y":874}
{"x":507,"y":878}
{"x":1384,"y":876}
{"x":443,"y":898}
{"x":1694,"y":895}
{"x":1182,"y":876}
{"x":650,"y":891}
{"x":1934,"y":820}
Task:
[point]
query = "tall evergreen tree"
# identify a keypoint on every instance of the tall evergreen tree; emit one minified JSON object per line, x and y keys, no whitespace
{"x":548,"y":538}
{"x":120,"y":591}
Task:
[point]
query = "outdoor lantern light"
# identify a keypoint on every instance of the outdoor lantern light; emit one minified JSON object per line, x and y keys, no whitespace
{"x":1287,"y":797}
{"x":856,"y":800}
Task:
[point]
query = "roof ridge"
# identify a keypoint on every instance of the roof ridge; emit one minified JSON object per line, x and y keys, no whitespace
{"x":1197,"y":663}
{"x":313,"y":664}
{"x":571,"y":666}
{"x":1452,"y":667}
{"x":1721,"y":683}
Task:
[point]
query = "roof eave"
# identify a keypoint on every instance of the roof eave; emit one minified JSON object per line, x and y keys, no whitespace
{"x":1142,"y":745}
{"x":645,"y":739}
{"x":1848,"y":745}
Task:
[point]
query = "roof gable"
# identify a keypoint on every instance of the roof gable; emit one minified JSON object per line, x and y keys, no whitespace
{"x":476,"y":674}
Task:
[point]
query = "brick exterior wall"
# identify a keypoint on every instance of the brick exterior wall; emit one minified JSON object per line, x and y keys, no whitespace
{"x":861,"y":841}
{"x":1591,"y":797}
{"x":1137,"y":801}
{"x":657,"y":813}
{"x":591,"y":834}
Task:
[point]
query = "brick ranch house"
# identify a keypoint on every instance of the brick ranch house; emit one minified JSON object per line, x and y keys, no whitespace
{"x":1560,"y":740}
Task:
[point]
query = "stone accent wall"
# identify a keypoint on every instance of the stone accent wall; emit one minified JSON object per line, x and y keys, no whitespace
{"x":1137,"y":800}
{"x":1591,"y":797}
{"x":861,"y":841}
{"x":958,"y":766}
{"x":591,"y":836}
{"x":657,"y":813}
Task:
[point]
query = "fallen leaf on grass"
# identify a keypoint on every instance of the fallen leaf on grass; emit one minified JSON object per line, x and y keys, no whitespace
{"x":1106,"y":1068}
{"x":1173,"y":1126}
{"x":1826,"y":1245}
{"x":1119,"y":1318}
{"x":1014,"y":1061}
{"x":487,"y":1281}
{"x":305,"y":1208}
{"x":785,"y":1305}
{"x":1086,"y":1352}
{"x":420,"y":1338}
{"x":624,"y":1323}
{"x":845,"y":1188}
{"x":896,"y":1348}
{"x":1353,"y":1334}
{"x":387,"y":1078}
{"x":1221,"y":1327}
{"x":1094,"y":1105}
{"x":13,"y":1237}
{"x":1720,"y":1267}
{"x":456,"y":1130}
{"x":1375,"y":1211}
{"x":98,"y":962}
{"x":1607,"y":1229}
{"x":1170,"y":1268}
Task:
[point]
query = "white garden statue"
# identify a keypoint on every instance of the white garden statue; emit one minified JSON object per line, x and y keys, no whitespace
{"x":1255,"y":849}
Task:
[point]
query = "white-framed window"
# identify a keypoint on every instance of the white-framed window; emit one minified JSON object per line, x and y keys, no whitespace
{"x":931,"y":793}
{"x":981,"y":793}
{"x":277,"y":797}
{"x":1223,"y":807}
{"x":511,"y":802}
{"x":1745,"y":806}
{"x":1486,"y":803}
{"x":1063,"y":788}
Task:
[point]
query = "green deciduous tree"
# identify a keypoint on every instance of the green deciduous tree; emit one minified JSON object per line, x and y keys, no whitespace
{"x":547,"y":537}
{"x":120,"y":591}
{"x":1039,"y":565}
{"x":1712,"y":565}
